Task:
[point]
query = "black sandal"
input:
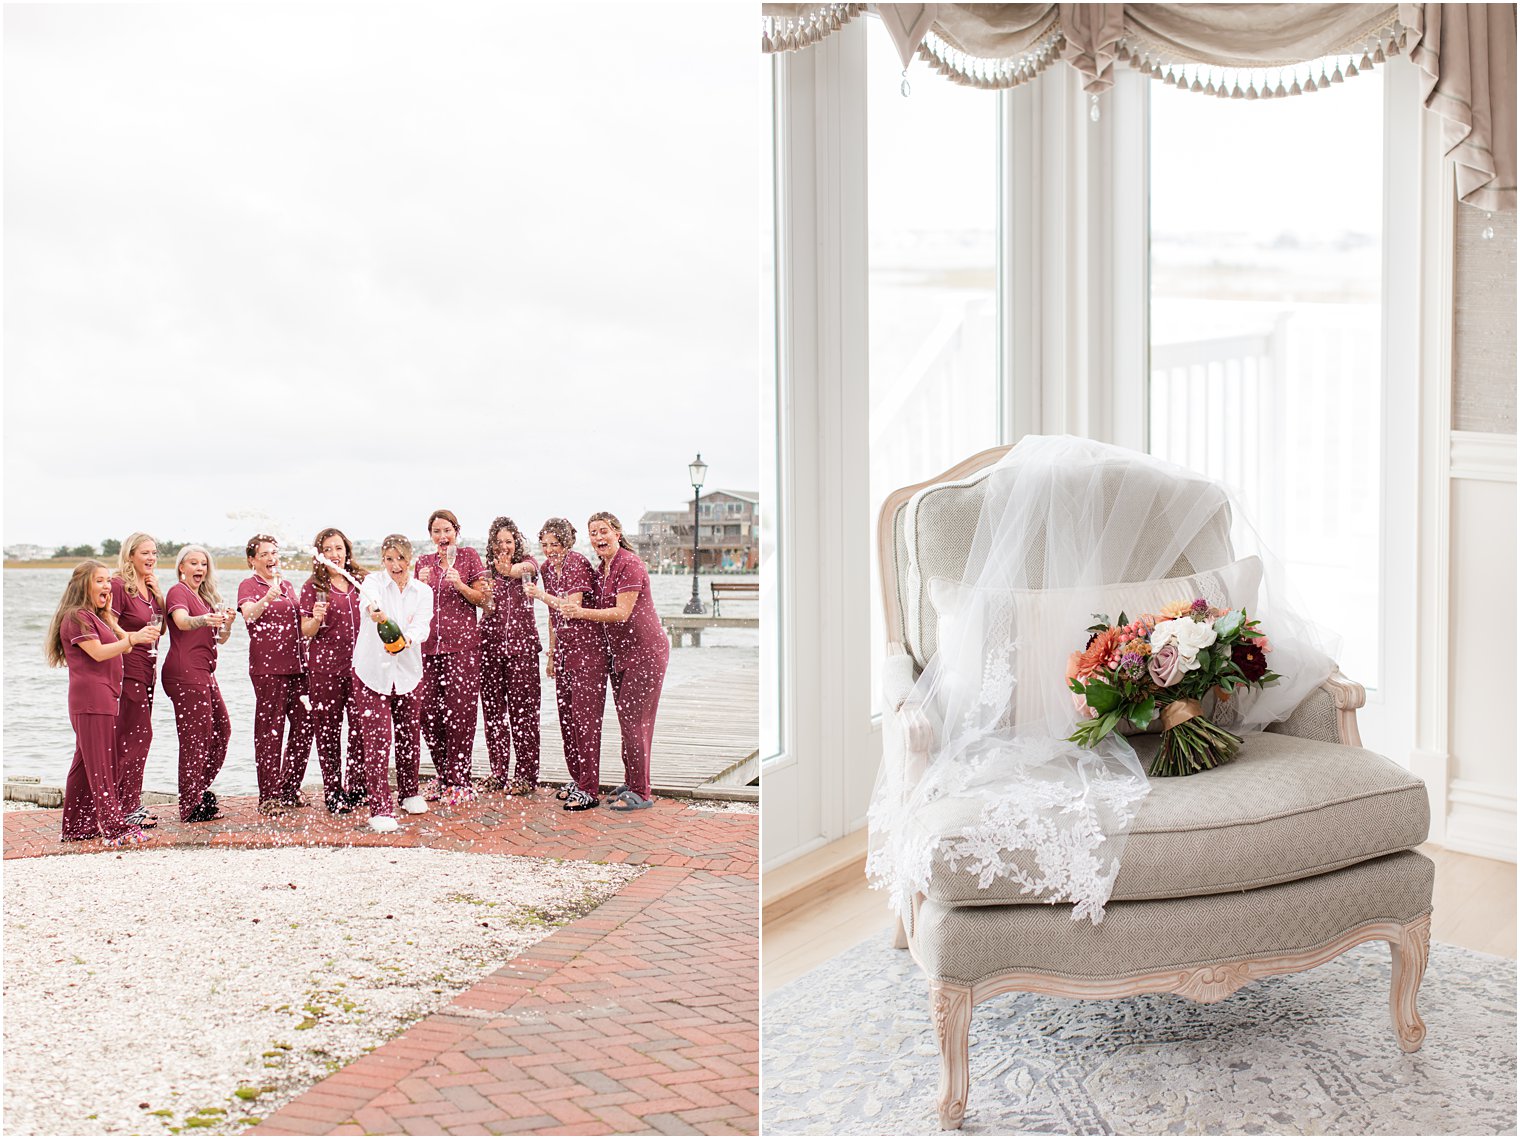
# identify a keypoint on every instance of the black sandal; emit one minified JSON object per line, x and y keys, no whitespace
{"x":579,"y":800}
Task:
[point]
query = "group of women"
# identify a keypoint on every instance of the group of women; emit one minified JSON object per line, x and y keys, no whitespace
{"x":403,"y":655}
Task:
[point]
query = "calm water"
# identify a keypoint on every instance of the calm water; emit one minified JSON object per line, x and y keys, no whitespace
{"x":39,"y":741}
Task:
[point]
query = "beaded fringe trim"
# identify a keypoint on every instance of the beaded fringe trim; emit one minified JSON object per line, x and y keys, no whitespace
{"x":1276,"y":82}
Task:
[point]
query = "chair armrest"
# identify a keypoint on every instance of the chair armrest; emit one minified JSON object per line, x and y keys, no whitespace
{"x":1327,"y":714}
{"x":907,"y":735}
{"x":899,"y":672}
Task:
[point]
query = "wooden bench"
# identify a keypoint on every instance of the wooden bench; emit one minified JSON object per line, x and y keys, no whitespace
{"x":679,"y":627}
{"x":742,"y":590}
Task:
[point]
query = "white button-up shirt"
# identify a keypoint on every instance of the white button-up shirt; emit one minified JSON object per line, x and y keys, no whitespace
{"x":412,"y":609}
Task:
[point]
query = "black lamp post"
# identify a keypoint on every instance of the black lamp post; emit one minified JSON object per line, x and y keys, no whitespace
{"x":698,"y":471}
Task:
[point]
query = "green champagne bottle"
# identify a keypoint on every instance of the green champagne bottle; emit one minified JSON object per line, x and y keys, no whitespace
{"x":390,"y":633}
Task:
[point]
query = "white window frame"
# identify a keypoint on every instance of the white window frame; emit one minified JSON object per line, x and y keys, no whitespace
{"x":1073,"y":356}
{"x":820,"y":782}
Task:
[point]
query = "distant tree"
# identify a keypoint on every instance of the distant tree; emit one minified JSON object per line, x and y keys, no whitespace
{"x":110,"y":548}
{"x":170,"y":549}
{"x":74,"y":552}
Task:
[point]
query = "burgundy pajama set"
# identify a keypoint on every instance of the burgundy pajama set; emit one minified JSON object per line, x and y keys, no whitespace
{"x":200,"y":713}
{"x":451,"y":670}
{"x":580,"y":671}
{"x":277,"y":666}
{"x":387,"y":688}
{"x":330,"y":677}
{"x":134,"y":723}
{"x":510,"y":689}
{"x":640,"y":652}
{"x":90,"y":804}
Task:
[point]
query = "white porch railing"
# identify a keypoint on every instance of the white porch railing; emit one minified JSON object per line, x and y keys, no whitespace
{"x":1288,"y":415}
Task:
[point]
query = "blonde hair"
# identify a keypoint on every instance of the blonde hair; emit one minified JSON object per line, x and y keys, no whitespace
{"x":207,"y":591}
{"x":127,"y":569}
{"x":398,"y":542}
{"x":75,"y":597}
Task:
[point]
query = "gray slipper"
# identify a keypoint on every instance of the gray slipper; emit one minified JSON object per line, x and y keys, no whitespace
{"x":628,"y":801}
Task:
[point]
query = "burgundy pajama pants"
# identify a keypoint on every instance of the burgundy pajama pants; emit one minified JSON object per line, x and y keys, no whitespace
{"x":90,"y":805}
{"x":200,"y":717}
{"x":330,"y":696}
{"x":276,"y":700}
{"x":379,"y":718}
{"x":636,"y":695}
{"x":450,"y":698}
{"x":134,"y":736}
{"x":580,"y":692}
{"x":510,"y":697}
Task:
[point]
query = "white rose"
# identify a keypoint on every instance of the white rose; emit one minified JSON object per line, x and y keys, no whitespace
{"x":1188,"y":635}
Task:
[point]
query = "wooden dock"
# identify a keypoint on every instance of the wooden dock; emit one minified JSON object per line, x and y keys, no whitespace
{"x":708,"y":723}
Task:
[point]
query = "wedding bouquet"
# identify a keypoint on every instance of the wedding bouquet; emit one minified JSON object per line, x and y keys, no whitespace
{"x":1164,"y":664}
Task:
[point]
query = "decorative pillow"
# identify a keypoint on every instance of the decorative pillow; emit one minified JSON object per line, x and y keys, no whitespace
{"x":1030,"y":633}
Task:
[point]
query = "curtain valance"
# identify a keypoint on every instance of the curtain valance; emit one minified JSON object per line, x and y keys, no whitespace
{"x":1465,"y":52}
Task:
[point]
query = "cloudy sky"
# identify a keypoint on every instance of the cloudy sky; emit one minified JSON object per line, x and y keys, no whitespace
{"x":341,"y":264}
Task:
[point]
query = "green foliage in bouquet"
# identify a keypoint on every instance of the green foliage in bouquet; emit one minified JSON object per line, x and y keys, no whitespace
{"x":1165,"y":664}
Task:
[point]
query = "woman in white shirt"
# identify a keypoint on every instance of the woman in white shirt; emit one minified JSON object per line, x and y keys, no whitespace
{"x":387,"y":699}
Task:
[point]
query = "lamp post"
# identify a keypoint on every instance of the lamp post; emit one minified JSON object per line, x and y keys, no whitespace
{"x":698,"y":470}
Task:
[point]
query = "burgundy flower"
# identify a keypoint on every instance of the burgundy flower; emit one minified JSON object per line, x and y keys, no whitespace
{"x":1251,"y":661}
{"x":1200,"y":607}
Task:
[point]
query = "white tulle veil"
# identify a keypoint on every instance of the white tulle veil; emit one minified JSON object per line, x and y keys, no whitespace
{"x":1068,"y":528}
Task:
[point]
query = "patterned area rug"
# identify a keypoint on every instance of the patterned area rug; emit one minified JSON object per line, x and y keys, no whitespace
{"x":849,"y":1050}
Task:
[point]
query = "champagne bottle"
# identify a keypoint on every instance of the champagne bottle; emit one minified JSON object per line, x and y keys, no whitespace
{"x":390,"y":633}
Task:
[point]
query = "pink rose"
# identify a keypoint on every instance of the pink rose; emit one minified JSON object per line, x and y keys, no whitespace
{"x":1166,"y":666}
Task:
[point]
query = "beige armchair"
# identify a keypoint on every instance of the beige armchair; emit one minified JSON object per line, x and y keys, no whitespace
{"x":1274,"y":863}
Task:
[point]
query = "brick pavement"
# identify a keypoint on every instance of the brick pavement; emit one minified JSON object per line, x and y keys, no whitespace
{"x":639,"y":1018}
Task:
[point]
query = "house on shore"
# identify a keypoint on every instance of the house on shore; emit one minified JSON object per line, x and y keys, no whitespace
{"x":729,"y":536}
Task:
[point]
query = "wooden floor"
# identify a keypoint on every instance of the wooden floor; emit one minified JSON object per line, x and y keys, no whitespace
{"x":1474,"y":908}
{"x":709,"y":720}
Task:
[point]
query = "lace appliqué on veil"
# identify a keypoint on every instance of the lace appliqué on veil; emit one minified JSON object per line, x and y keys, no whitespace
{"x":1035,"y":828}
{"x":1063,"y":829}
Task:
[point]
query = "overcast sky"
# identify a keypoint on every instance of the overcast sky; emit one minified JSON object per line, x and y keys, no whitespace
{"x":341,"y":264}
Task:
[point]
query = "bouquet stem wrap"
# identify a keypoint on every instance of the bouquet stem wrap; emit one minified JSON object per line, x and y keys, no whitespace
{"x":1190,"y":741}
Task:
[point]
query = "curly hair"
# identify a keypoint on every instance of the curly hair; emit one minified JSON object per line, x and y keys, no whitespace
{"x":561,"y":529}
{"x":519,"y":542}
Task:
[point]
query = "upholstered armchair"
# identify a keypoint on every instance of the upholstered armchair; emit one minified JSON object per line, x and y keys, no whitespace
{"x":1276,"y":862}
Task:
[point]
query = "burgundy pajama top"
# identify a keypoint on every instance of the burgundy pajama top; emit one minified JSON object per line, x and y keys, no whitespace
{"x":136,"y":611}
{"x":640,"y":639}
{"x":331,"y":651}
{"x":510,"y":629}
{"x":275,"y":644}
{"x":575,"y":575}
{"x":192,"y":653}
{"x":94,"y":685}
{"x":454,"y":627}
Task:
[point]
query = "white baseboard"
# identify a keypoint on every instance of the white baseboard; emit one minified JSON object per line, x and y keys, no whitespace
{"x":1481,"y":820}
{"x":1432,"y":766}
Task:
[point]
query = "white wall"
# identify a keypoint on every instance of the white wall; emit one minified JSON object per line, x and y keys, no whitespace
{"x":1481,"y":765}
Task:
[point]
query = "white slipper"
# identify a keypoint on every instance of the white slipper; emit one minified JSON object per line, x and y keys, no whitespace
{"x":383,"y":824}
{"x":414,"y":805}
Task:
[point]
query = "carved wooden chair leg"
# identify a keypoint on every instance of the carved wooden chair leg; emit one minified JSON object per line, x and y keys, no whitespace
{"x":899,"y":934}
{"x":1410,"y":952}
{"x":951,"y":1004}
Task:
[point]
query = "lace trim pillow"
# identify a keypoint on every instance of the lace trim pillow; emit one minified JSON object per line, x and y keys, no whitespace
{"x":1024,"y":637}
